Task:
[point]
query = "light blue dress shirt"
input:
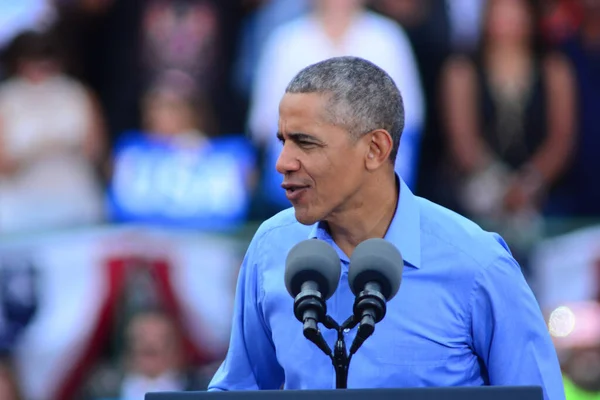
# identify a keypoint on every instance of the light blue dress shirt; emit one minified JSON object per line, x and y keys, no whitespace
{"x":464,"y":314}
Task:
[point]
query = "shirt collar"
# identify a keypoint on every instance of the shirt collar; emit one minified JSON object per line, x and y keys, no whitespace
{"x":404,"y":231}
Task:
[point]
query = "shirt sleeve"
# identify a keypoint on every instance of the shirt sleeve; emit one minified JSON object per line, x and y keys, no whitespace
{"x":251,"y":363}
{"x":509,"y":332}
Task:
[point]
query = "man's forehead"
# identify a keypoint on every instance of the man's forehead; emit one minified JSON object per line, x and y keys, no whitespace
{"x":304,"y":108}
{"x":312,"y":99}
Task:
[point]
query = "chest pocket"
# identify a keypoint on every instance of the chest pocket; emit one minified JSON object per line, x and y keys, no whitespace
{"x":415,"y":355}
{"x":396,"y":348}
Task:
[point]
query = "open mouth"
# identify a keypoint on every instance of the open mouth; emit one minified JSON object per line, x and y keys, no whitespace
{"x":290,"y":187}
{"x":296,"y":189}
{"x":293,"y":192}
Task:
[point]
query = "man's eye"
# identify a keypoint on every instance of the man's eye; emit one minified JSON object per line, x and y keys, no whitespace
{"x":306,"y":144}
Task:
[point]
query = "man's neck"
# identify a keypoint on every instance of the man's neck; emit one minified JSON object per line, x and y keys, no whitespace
{"x":368,"y":217}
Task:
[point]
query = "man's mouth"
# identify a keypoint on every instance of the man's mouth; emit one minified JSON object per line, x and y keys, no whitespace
{"x":293,"y":191}
{"x":290,"y":187}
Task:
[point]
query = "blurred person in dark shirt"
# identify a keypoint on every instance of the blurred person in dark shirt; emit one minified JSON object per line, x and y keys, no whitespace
{"x":509,"y":112}
{"x":197,"y":37}
{"x":122,"y":47}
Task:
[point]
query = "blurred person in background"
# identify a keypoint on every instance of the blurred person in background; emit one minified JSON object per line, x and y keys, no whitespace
{"x":153,"y":360}
{"x":154,"y":357}
{"x":182,"y":35}
{"x":510,"y":114}
{"x":173,"y":170}
{"x":142,"y":40}
{"x":579,"y":194}
{"x":332,"y":28}
{"x":51,"y":140}
{"x":197,"y":37}
{"x":172,"y":111}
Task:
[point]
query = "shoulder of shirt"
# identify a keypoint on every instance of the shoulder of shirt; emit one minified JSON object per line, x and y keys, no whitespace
{"x":296,"y":28}
{"x":294,"y":33}
{"x":381,"y":20}
{"x":384,"y":24}
{"x":465,"y":237}
{"x":10,"y":82}
{"x":283,"y":222}
{"x":65,"y":82}
{"x":71,"y":83}
{"x":9,"y":86}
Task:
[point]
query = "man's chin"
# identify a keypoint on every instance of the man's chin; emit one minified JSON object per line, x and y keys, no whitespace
{"x":304,"y":217}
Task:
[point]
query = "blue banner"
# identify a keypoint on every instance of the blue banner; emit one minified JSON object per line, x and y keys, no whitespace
{"x":205,"y":186}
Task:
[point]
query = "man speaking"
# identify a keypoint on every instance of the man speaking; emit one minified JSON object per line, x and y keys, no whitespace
{"x":464,"y":315}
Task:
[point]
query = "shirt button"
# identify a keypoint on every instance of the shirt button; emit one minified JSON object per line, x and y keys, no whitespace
{"x":346,"y":330}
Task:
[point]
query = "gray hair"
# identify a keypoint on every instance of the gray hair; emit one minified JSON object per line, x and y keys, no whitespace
{"x":363,"y":96}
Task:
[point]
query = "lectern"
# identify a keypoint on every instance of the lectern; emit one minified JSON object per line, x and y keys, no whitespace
{"x":451,"y":393}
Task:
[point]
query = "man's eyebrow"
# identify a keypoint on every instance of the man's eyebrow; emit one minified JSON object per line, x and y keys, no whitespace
{"x":299,"y":137}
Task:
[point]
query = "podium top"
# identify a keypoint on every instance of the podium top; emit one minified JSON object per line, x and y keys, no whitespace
{"x":451,"y":393}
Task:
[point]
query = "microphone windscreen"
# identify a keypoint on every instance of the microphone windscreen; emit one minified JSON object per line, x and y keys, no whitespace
{"x":312,"y":260}
{"x":376,"y":260}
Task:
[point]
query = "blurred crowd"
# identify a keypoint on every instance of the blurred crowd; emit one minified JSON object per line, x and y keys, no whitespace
{"x":162,"y":113}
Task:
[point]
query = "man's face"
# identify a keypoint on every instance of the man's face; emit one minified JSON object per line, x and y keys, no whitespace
{"x":323,"y":166}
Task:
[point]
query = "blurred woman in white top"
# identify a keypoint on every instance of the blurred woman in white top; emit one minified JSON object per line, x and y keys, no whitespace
{"x":51,"y":135}
{"x":336,"y":28}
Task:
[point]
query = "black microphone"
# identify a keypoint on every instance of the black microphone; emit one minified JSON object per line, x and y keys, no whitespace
{"x":374,"y":276}
{"x":312,"y":274}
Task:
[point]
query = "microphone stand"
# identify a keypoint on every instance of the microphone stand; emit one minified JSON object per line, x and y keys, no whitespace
{"x":340,"y":357}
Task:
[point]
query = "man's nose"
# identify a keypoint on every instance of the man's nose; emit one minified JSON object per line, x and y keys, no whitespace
{"x":287,"y":162}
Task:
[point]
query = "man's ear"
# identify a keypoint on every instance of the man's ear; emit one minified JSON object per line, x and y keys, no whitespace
{"x":379,"y":149}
